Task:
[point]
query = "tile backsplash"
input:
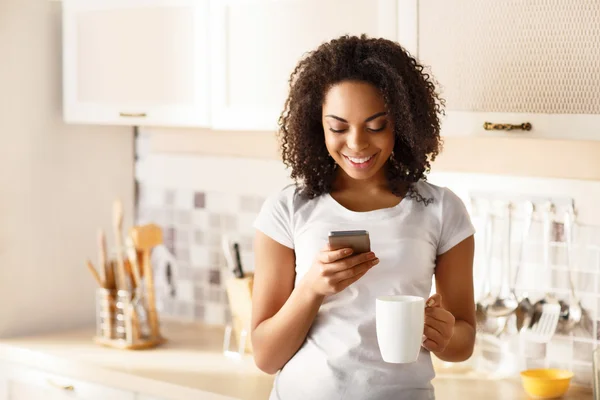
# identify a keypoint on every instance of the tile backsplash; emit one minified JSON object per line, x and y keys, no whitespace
{"x":191,"y":266}
{"x":196,"y":199}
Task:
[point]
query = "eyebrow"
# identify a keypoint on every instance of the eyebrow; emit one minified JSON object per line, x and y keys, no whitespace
{"x":371,"y":118}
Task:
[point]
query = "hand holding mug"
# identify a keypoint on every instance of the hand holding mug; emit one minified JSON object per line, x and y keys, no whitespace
{"x":439,"y":325}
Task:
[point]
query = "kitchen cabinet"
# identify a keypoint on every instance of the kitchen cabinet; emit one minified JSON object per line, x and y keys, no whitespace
{"x":255,"y":45}
{"x":136,"y":62}
{"x":26,"y":383}
{"x":510,"y":63}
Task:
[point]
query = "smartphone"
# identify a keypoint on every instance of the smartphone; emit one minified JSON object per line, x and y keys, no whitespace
{"x":357,"y":240}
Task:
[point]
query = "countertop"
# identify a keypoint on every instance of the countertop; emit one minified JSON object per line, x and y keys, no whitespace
{"x":191,"y":363}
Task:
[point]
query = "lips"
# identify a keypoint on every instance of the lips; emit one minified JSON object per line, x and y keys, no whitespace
{"x":360,"y":162}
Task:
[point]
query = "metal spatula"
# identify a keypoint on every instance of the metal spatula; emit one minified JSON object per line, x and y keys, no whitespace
{"x":546,"y":312}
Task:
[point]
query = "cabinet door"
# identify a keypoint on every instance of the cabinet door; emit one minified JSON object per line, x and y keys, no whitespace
{"x":255,"y":45}
{"x":510,"y":63}
{"x":136,"y":62}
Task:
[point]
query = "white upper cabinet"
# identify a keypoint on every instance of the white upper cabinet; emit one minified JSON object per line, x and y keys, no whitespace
{"x":255,"y":45}
{"x":136,"y":62}
{"x":510,"y":63}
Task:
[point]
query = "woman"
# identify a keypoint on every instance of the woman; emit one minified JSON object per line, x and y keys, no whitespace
{"x":359,"y":130}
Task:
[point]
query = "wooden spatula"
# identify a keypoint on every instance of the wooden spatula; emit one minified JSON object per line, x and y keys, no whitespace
{"x":145,"y":238}
{"x":118,"y":226}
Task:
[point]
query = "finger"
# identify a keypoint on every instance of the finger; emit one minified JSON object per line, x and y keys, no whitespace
{"x":439,"y":314}
{"x":433,"y":335}
{"x":434,"y":301}
{"x":347,"y":282}
{"x":346,"y":263}
{"x":435,"y":325}
{"x":330,"y":256}
{"x":357,"y":269}
{"x":431,"y":345}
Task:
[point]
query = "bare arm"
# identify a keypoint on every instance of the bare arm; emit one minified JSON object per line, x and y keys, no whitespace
{"x":454,"y":287}
{"x":283,"y":314}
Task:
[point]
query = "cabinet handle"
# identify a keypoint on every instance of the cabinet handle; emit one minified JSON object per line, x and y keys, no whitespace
{"x":137,"y":115}
{"x":489,"y":126}
{"x":68,"y":388}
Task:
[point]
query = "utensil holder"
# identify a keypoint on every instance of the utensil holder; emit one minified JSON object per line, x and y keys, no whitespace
{"x":239,"y":293}
{"x":121,"y":323}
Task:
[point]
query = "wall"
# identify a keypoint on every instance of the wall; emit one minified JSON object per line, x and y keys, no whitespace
{"x":57,"y":182}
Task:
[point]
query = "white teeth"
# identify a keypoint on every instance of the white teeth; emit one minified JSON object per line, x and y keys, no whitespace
{"x":359,"y":160}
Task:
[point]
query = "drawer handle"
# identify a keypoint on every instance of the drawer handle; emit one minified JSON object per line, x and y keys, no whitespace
{"x":134,"y":115}
{"x":489,"y":126}
{"x":68,"y":388}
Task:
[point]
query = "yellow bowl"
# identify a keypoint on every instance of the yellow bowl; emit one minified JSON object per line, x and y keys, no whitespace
{"x":546,"y":383}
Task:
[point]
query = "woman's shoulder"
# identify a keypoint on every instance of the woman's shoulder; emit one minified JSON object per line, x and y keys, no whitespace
{"x":438,"y":196}
{"x":289,"y":198}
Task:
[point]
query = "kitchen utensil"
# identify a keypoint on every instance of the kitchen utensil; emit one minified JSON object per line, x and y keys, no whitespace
{"x":524,"y":310}
{"x":229,"y":255}
{"x":94,"y":273}
{"x":239,"y":271}
{"x":572,"y":316}
{"x":596,"y":373}
{"x":145,"y":238}
{"x":486,"y":323}
{"x":546,"y":383}
{"x":546,"y":311}
{"x":102,"y":256}
{"x":137,"y":305}
{"x":109,"y":272}
{"x":118,"y":226}
{"x":505,"y":303}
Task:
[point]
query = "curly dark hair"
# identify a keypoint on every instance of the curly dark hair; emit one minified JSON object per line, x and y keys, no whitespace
{"x":409,"y":94}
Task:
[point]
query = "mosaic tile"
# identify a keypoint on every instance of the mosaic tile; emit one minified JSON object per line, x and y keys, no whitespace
{"x":185,"y":310}
{"x":183,"y":217}
{"x":169,"y":199}
{"x":199,"y":237}
{"x":185,"y":290}
{"x":199,"y":200}
{"x":184,"y":199}
{"x":214,"y":276}
{"x":199,"y":312}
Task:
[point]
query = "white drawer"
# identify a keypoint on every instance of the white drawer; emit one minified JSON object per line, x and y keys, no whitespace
{"x":77,"y":389}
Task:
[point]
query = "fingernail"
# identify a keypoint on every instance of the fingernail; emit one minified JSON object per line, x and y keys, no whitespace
{"x":423,"y":339}
{"x":348,"y":251}
{"x":430,"y":302}
{"x":375,"y":261}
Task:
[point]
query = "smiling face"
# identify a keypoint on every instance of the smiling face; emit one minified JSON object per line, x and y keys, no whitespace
{"x":359,"y":134}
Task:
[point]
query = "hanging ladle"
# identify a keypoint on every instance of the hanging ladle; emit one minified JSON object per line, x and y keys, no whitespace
{"x":524,"y":310}
{"x":486,"y":298}
{"x":506,"y":302}
{"x":570,"y":314}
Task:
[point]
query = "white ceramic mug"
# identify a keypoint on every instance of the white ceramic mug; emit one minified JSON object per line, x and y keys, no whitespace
{"x":399,"y":322}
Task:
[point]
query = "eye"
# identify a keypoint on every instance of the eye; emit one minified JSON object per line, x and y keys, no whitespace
{"x":337,"y":130}
{"x":377,"y":129}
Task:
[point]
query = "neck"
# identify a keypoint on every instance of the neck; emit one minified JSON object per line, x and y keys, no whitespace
{"x":376,"y":184}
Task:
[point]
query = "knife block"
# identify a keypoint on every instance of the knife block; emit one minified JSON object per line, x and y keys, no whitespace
{"x":239,"y":293}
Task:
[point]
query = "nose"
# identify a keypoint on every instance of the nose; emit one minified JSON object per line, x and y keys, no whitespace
{"x":357,"y":140}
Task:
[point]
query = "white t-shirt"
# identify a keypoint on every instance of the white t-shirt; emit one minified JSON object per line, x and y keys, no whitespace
{"x":340,"y":358}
